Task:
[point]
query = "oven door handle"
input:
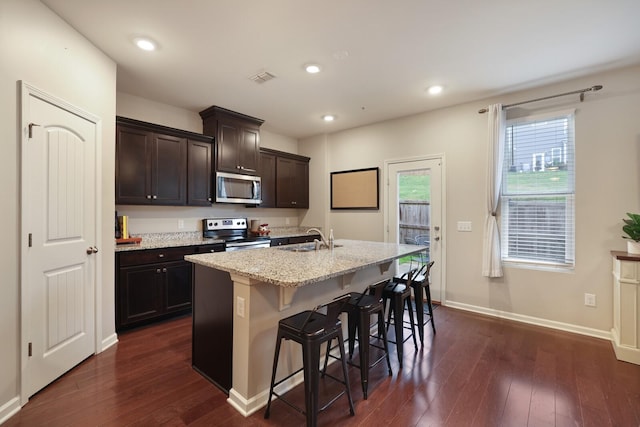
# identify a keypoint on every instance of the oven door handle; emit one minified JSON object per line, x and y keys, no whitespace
{"x":239,"y":245}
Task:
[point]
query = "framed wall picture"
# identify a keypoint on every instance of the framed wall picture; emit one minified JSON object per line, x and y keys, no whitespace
{"x":356,"y":189}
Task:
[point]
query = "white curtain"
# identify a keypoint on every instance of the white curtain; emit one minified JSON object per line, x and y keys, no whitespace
{"x":491,"y":262}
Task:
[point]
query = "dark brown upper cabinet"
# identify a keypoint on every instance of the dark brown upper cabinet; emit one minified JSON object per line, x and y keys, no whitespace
{"x":152,"y":164}
{"x":237,"y":139}
{"x":268,"y":179}
{"x":200,"y":173}
{"x":285,"y":179}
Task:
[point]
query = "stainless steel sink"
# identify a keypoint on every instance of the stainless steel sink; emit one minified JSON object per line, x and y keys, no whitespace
{"x":306,"y":247}
{"x":299,"y":248}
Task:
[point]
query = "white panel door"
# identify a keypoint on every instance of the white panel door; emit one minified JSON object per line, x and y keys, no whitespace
{"x":59,"y":236}
{"x":418,"y":182}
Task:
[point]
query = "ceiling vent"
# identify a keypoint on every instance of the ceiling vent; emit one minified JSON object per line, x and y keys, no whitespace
{"x":262,"y":77}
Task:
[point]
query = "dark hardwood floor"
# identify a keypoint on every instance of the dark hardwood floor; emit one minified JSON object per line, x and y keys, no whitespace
{"x":477,"y":371}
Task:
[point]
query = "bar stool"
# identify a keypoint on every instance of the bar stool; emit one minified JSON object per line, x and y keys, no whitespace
{"x":359,"y":309}
{"x":398,"y":293}
{"x":420,"y":286}
{"x":311,"y":329}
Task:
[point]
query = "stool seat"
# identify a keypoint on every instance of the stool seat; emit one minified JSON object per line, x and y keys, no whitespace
{"x":311,"y":329}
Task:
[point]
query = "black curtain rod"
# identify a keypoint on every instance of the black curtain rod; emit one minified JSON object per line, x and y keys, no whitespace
{"x":581,"y":92}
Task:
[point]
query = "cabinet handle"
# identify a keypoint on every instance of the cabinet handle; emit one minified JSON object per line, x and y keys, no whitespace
{"x":148,"y":196}
{"x":155,"y":197}
{"x":158,"y":270}
{"x":160,"y":255}
{"x":164,"y":270}
{"x":293,"y":203}
{"x":209,"y":198}
{"x":238,"y":167}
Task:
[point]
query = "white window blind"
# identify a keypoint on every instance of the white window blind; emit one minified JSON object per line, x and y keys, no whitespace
{"x":538,"y":188}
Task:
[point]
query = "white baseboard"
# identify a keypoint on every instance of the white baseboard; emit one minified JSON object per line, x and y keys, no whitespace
{"x":9,"y":409}
{"x":248,"y":406}
{"x":109,"y":341}
{"x":624,"y":352}
{"x":567,"y":327}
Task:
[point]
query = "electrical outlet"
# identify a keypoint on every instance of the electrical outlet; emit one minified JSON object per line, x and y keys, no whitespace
{"x":180,"y":224}
{"x":240,"y":307}
{"x":590,"y":300}
{"x":464,"y":225}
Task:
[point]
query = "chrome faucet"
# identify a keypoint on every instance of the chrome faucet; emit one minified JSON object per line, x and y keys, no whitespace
{"x":322,"y":240}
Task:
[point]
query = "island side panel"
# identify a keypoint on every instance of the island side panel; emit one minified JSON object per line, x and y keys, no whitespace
{"x":255,"y":334}
{"x":212,"y":343}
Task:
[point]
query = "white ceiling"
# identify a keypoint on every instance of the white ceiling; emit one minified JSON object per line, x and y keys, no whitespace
{"x":395,"y":50}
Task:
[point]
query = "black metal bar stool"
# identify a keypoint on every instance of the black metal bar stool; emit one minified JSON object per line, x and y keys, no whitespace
{"x":420,"y":285}
{"x":359,"y":309}
{"x":398,"y":294}
{"x":311,"y":329}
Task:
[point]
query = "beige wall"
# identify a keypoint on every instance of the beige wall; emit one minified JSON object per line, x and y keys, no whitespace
{"x":39,"y":48}
{"x":607,"y":186}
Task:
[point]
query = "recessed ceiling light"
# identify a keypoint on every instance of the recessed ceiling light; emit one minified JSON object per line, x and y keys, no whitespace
{"x":145,"y":44}
{"x":328,"y":117}
{"x":435,"y":89}
{"x":312,"y":68}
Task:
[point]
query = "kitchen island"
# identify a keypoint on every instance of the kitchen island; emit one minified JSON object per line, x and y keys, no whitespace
{"x":263,"y":286}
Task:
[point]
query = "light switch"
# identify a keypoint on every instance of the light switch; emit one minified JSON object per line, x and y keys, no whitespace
{"x":464,"y":225}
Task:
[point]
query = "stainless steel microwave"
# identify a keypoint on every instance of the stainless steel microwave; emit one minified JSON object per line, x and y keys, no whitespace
{"x":236,"y":188}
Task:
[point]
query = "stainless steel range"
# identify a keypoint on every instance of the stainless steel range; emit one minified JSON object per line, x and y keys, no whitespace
{"x":234,"y":232}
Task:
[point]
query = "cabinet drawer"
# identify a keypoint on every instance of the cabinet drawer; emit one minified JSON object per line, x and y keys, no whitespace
{"x":279,"y":241}
{"x":151,"y":256}
{"x":303,"y":239}
{"x":205,"y":249}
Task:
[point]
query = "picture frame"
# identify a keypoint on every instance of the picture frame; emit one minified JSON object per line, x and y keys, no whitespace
{"x":356,"y":189}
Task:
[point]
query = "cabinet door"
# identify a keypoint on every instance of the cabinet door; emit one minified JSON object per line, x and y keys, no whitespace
{"x":292,"y":183}
{"x":133,"y":166}
{"x":268,"y":180}
{"x":178,"y":281}
{"x":249,"y":150}
{"x":284,"y":185}
{"x":169,"y":170}
{"x":301,"y":184}
{"x":199,"y":173}
{"x":227,"y":149}
{"x":140,"y":293}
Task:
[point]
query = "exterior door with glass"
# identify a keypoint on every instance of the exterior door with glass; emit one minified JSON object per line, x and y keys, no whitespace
{"x":414,"y":214}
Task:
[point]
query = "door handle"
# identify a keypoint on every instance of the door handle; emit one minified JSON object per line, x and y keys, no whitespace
{"x":92,"y":250}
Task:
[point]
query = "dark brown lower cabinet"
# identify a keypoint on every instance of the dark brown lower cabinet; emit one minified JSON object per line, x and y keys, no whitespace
{"x":154,"y":284}
{"x":212,"y":338}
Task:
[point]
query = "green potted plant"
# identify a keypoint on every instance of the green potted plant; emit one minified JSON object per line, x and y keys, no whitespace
{"x":631,"y":228}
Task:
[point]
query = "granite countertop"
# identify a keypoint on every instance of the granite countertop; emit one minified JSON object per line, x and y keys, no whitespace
{"x":166,"y":240}
{"x":294,"y":269}
{"x":194,"y":238}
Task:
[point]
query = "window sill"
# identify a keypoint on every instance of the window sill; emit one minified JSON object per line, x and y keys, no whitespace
{"x":540,"y":266}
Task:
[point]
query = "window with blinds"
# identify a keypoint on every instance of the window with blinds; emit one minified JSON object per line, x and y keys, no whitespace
{"x":538,"y":188}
